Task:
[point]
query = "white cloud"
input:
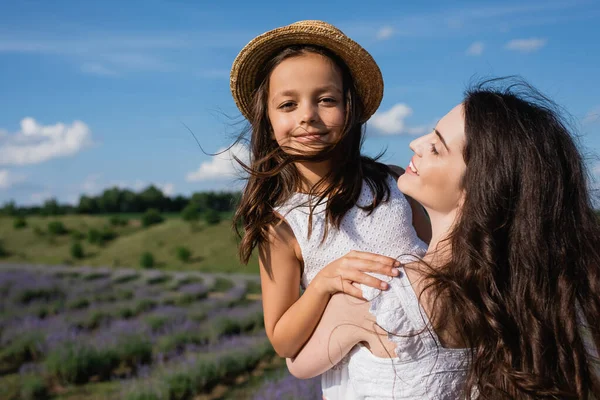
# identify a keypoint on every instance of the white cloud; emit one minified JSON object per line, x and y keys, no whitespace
{"x":221,"y":166}
{"x":592,"y":116}
{"x":8,"y":179}
{"x":391,"y":122}
{"x":526,"y":45}
{"x":385,"y":32}
{"x":167,"y":188}
{"x":36,"y":143}
{"x":476,"y":49}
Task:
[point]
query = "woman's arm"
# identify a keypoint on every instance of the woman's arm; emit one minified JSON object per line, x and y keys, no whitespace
{"x":341,"y":327}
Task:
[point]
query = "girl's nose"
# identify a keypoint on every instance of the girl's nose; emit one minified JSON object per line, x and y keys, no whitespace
{"x":308,"y":114}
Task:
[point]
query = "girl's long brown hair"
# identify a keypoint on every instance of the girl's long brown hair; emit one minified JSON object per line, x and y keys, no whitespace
{"x":525,"y":263}
{"x":273,"y":177}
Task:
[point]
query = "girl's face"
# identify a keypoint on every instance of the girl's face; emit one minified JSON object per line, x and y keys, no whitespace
{"x":306,"y":103}
{"x":434,"y":174}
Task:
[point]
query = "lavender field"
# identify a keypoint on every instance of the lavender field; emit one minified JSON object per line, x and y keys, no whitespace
{"x":93,"y":333}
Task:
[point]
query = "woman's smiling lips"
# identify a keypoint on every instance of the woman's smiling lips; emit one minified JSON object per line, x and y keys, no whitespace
{"x":411,"y":169}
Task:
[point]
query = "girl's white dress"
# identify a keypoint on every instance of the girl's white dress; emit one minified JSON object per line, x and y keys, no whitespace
{"x":387,"y":230}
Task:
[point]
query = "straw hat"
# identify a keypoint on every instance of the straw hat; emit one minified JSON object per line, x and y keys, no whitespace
{"x":254,"y":55}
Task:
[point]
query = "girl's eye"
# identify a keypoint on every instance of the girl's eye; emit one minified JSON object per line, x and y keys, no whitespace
{"x":328,"y":100}
{"x":286,"y":105}
{"x":434,"y":150}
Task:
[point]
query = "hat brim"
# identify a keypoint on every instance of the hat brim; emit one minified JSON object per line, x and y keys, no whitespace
{"x":363,"y":68}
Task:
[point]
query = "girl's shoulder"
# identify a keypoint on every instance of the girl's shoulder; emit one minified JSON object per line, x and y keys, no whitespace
{"x":395,"y":171}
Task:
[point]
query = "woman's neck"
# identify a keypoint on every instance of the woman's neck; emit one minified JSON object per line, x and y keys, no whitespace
{"x":312,"y":172}
{"x":439,"y":250}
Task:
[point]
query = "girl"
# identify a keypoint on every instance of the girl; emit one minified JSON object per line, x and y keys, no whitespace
{"x":506,"y":302}
{"x":313,"y":205}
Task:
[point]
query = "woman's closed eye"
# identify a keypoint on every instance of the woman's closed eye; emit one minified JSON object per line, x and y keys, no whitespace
{"x":433,"y":149}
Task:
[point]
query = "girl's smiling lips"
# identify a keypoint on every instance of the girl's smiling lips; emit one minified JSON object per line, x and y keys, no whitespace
{"x":309,"y":137}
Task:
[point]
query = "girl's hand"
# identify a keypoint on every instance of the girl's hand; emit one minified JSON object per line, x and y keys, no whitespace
{"x":339,"y":275}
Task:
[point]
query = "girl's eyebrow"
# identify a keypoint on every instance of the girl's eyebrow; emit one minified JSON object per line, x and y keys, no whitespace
{"x":333,"y":88}
{"x":288,"y":92}
{"x":441,"y":139}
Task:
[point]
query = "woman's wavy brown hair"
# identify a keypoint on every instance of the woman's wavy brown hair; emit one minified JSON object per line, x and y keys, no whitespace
{"x":273,"y":177}
{"x":525,"y":263}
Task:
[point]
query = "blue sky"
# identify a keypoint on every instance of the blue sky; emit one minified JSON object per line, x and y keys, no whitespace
{"x":95,"y":94}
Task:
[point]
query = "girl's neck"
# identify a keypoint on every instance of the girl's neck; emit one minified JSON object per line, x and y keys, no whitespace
{"x":312,"y":172}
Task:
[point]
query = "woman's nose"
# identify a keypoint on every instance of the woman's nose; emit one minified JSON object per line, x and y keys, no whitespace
{"x":417,"y":145}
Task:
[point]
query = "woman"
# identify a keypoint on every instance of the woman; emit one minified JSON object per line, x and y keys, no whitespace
{"x":506,"y":302}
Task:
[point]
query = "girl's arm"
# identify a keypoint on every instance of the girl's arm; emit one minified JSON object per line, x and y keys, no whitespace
{"x":290,"y":319}
{"x":345,"y":322}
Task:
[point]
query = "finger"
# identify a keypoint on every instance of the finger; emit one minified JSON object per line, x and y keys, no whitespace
{"x":374,"y":257}
{"x":366,"y":265}
{"x":365,"y":279}
{"x":353,"y":291}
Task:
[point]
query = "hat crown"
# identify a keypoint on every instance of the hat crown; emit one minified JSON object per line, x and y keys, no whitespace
{"x":317,"y":23}
{"x":251,"y":59}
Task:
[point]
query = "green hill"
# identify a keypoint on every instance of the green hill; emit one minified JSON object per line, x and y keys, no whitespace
{"x":212,"y":247}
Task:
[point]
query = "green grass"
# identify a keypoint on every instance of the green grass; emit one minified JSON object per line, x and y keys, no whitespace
{"x":214,"y":248}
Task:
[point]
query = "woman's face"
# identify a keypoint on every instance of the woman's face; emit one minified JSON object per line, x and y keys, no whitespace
{"x":434,"y":174}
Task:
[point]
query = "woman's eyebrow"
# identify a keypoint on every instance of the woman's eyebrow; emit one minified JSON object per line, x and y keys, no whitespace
{"x":441,"y":139}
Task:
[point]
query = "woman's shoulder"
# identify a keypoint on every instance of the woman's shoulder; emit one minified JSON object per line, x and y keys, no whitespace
{"x":396,"y":309}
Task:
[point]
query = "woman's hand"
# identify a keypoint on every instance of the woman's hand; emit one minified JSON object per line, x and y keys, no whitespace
{"x":339,"y":275}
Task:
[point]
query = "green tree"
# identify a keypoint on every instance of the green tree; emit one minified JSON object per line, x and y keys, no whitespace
{"x":130,"y":202}
{"x":57,"y":228}
{"x":3,"y":252}
{"x":179,"y":203}
{"x":153,"y":197}
{"x":151,"y":217}
{"x":191,"y":213}
{"x":110,"y":201}
{"x":147,"y":260}
{"x":87,"y":205}
{"x":117,"y":220}
{"x":77,"y":251}
{"x":10,"y":209}
{"x":183,"y":253}
{"x":212,"y":217}
{"x":51,"y":207}
{"x":20,"y":222}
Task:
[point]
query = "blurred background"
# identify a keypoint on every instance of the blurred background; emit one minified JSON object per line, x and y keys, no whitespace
{"x":118,"y":269}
